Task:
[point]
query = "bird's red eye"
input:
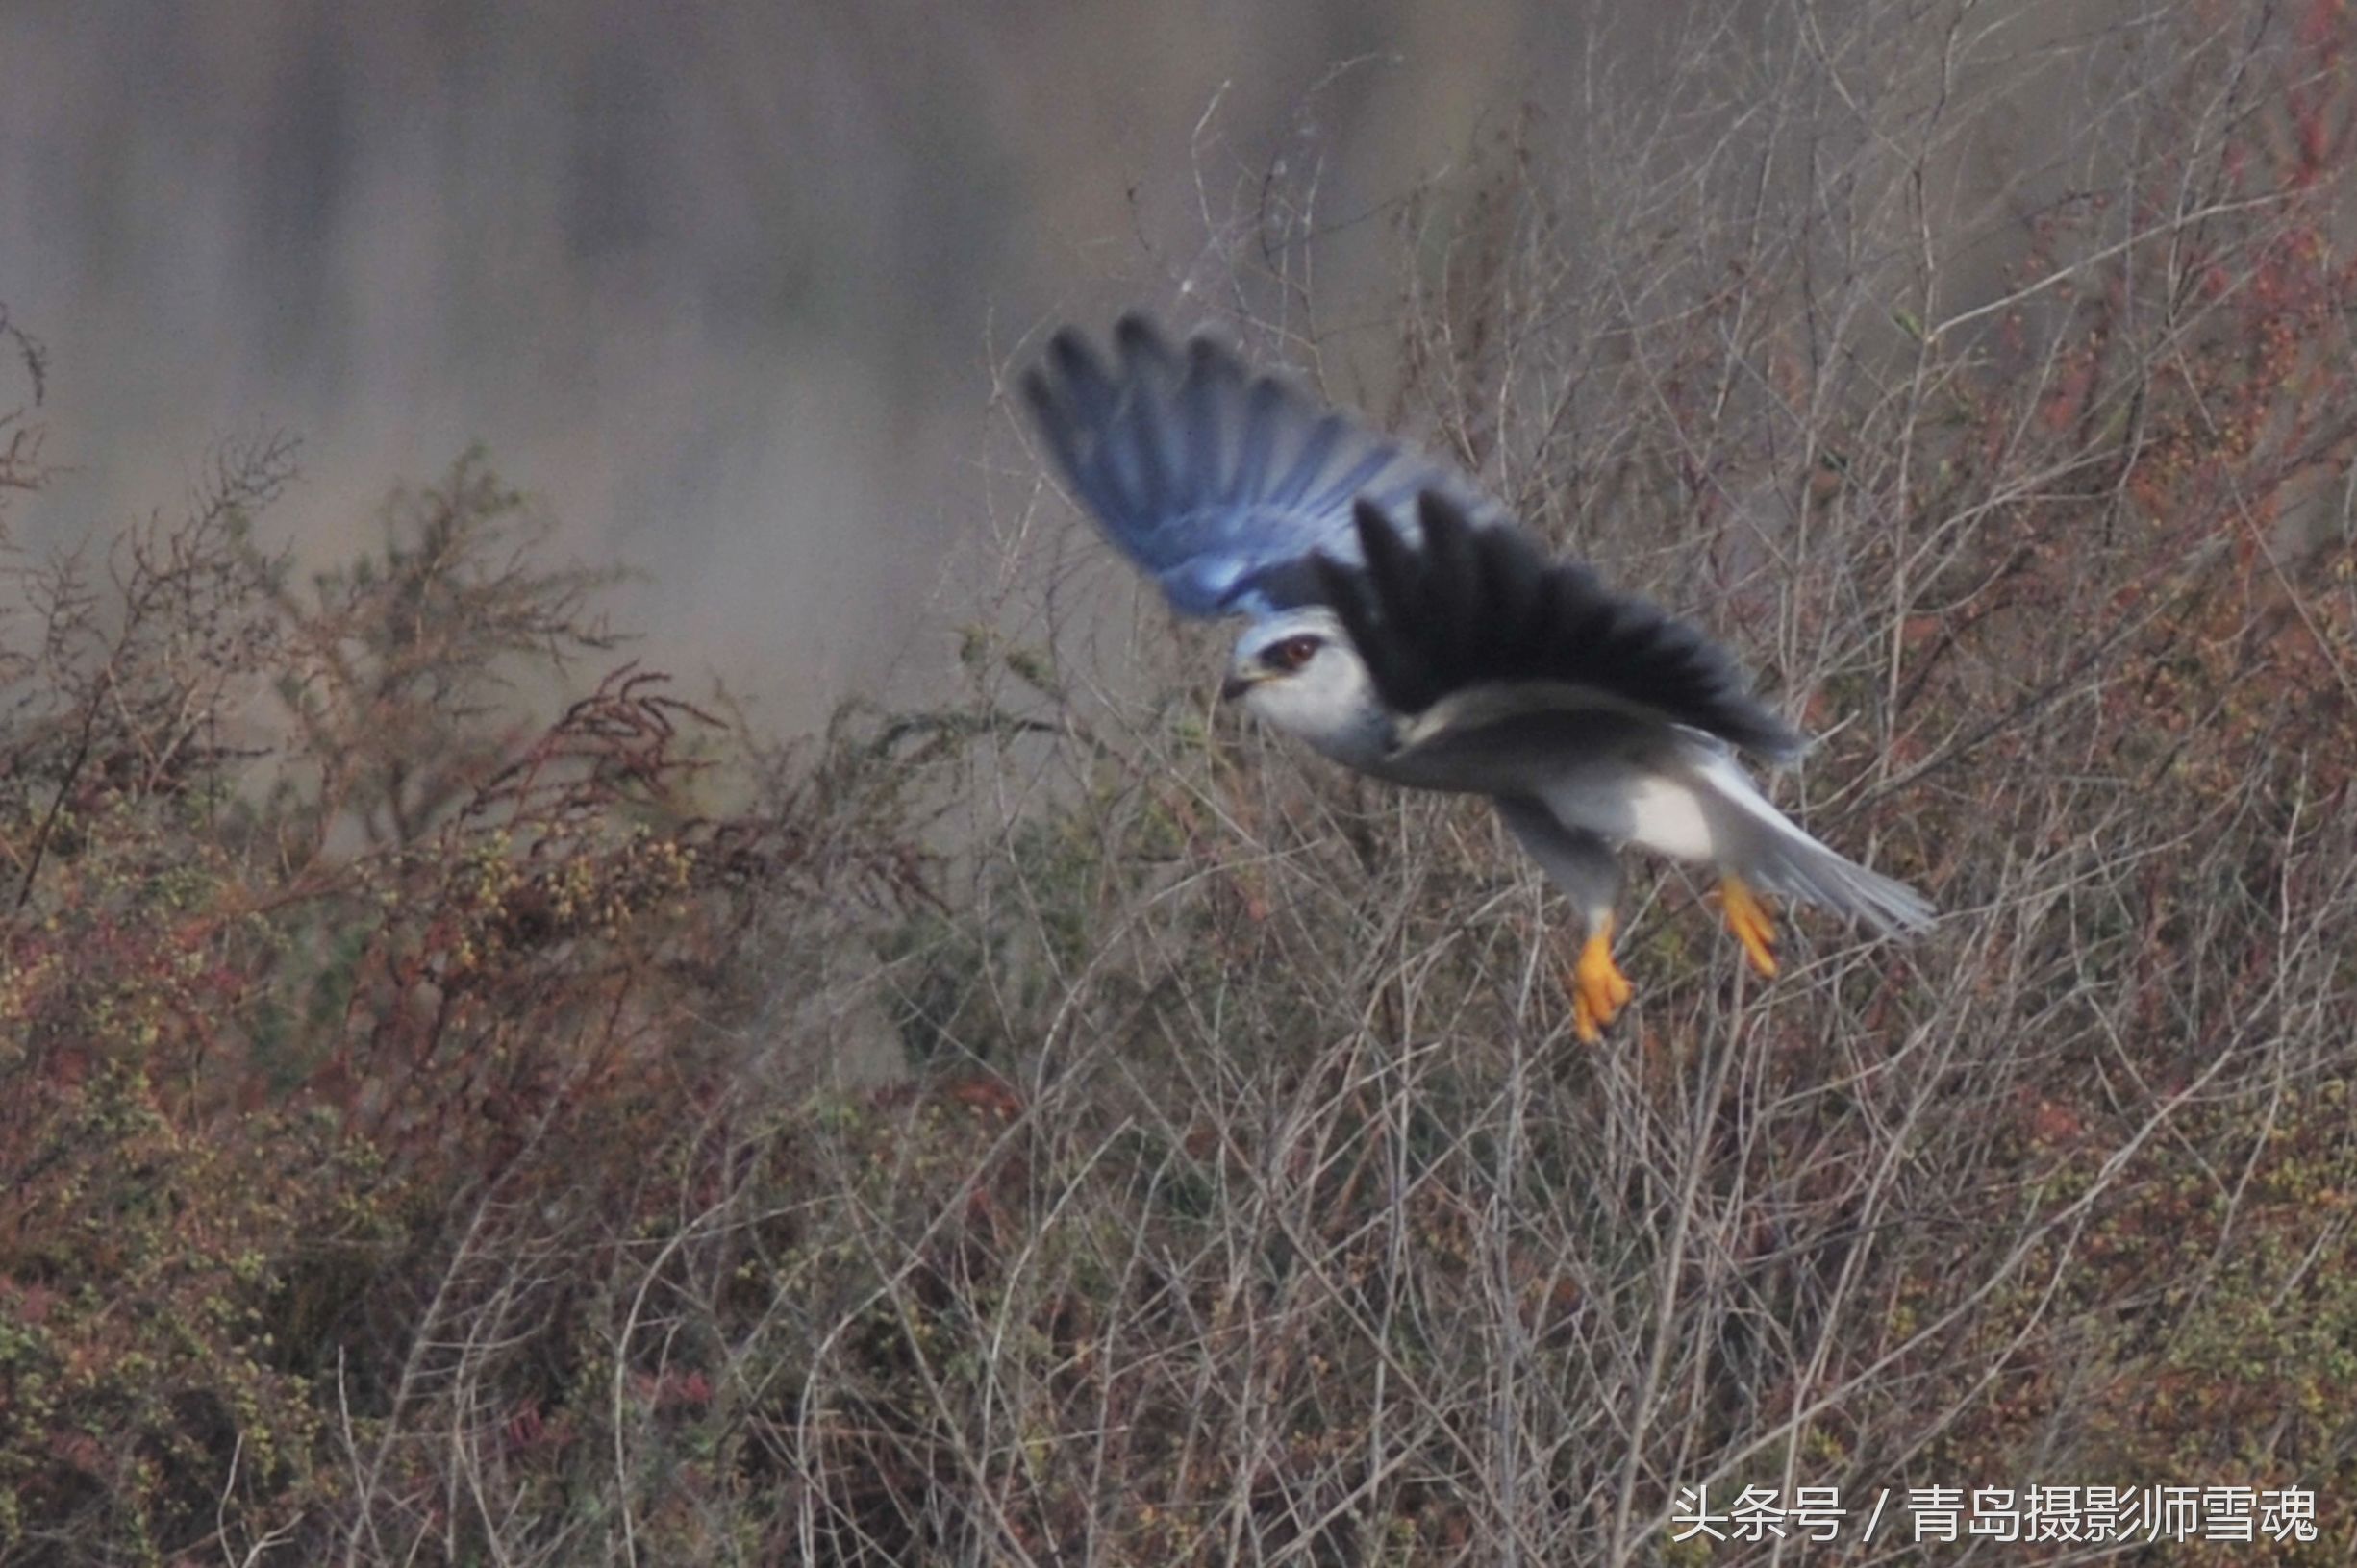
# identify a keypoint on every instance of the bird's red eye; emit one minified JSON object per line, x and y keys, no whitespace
{"x":1292,"y":653}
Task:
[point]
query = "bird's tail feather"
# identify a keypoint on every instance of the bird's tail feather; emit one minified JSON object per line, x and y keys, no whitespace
{"x":1760,"y":844}
{"x":1799,"y":868}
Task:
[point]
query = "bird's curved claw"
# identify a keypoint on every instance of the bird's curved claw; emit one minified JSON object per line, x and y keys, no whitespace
{"x":1599,"y":991}
{"x":1748,"y":916}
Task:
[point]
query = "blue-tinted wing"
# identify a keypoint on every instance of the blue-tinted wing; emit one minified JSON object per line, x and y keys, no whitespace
{"x":1221,"y":485}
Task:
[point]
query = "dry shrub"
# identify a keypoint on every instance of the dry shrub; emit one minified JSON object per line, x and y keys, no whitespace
{"x":322,"y":966}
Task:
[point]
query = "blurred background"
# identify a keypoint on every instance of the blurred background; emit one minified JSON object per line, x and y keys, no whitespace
{"x":729,"y":288}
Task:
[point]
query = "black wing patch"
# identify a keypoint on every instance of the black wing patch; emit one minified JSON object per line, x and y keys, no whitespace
{"x":1484,"y":606}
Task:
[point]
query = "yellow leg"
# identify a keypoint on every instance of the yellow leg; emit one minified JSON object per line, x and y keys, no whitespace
{"x":1747,"y":915}
{"x":1599,"y":991}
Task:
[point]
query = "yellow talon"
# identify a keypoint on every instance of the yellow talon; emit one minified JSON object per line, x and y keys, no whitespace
{"x":1746,"y":916}
{"x":1599,"y":991}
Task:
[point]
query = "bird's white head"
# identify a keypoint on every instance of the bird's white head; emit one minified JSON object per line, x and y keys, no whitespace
{"x":1298,"y":672}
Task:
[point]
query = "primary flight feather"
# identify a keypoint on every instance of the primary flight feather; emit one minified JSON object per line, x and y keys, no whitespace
{"x":1219,"y":485}
{"x":1401,"y":623}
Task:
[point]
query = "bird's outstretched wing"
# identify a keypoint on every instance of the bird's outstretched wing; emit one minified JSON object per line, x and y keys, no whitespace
{"x":1218,"y":484}
{"x":1480,"y":614}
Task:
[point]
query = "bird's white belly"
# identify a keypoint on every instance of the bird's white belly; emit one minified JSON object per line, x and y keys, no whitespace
{"x":1635,"y":805}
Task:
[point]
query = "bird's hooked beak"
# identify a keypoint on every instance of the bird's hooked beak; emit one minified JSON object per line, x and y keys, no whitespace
{"x":1237,"y":685}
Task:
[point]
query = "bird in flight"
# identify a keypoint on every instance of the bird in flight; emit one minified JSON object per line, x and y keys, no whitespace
{"x":1398,"y":621}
